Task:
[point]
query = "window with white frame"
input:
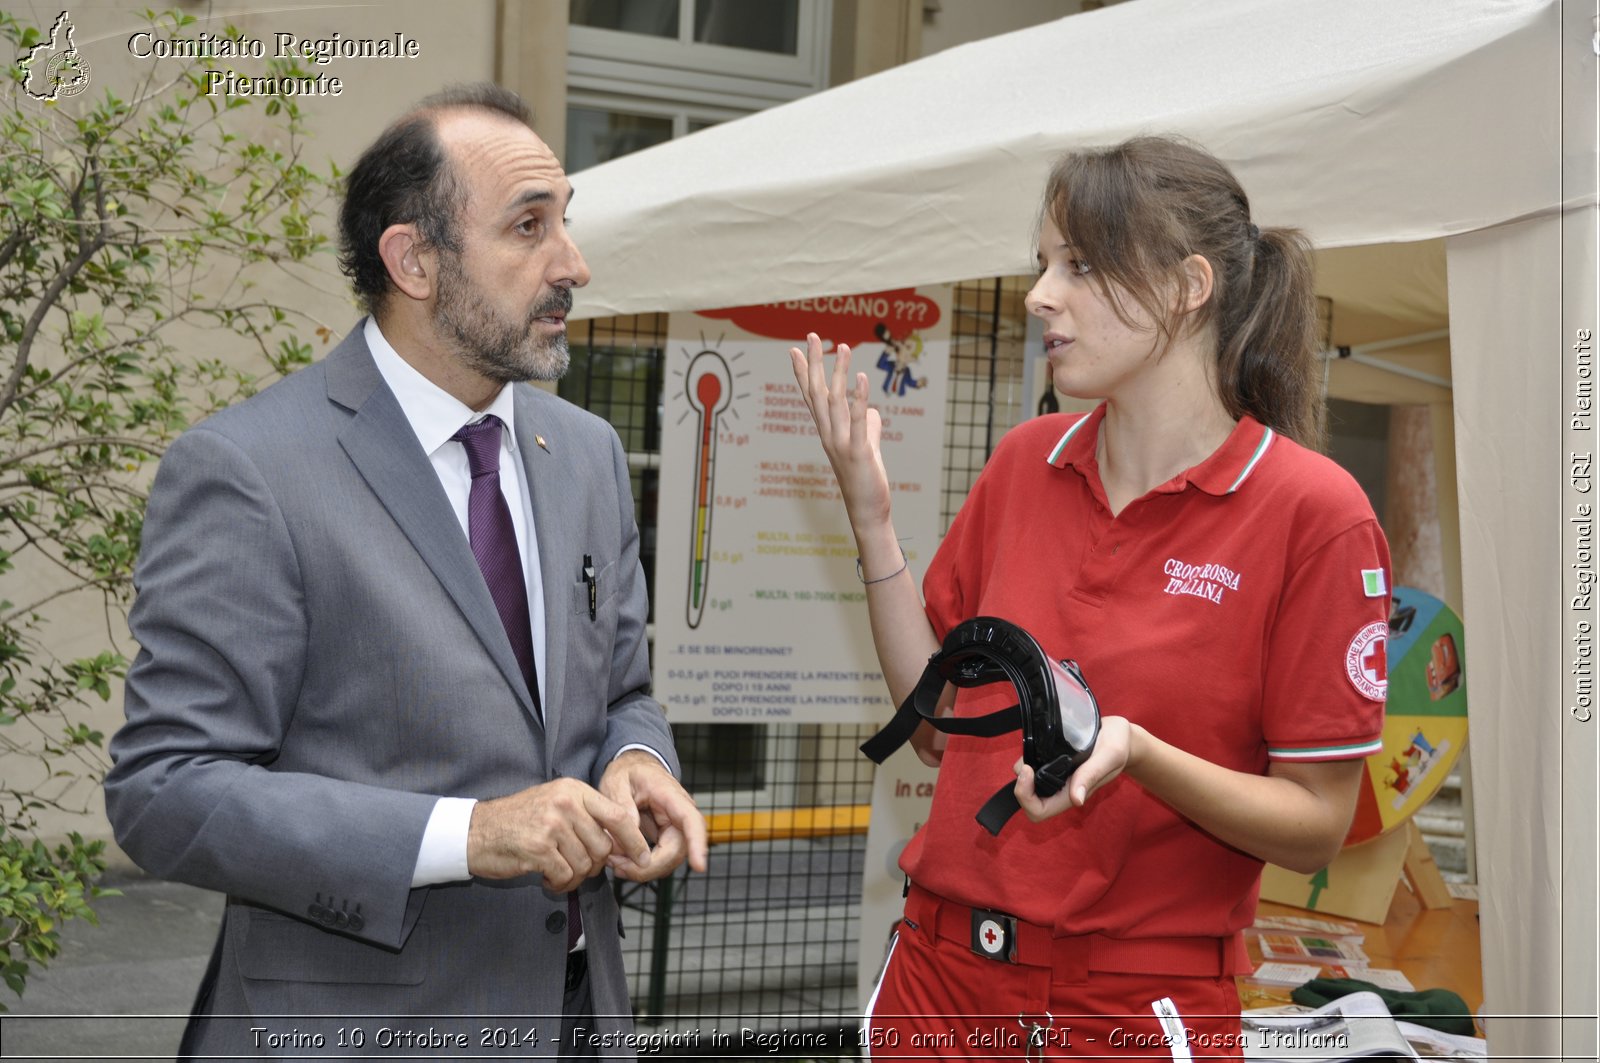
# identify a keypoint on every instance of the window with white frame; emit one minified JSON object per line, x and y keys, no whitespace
{"x":641,"y":72}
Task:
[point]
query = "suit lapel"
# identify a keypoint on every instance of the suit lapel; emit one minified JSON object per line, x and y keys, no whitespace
{"x":384,"y":449}
{"x":559,"y":556}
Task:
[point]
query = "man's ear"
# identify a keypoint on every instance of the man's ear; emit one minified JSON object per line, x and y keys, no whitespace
{"x":1198,"y":284}
{"x":410,"y":267}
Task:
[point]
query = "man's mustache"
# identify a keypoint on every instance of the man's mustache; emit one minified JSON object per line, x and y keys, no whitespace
{"x":558,"y":302}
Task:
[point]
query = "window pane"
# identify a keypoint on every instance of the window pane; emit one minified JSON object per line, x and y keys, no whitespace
{"x":595,"y":136}
{"x":653,"y":18}
{"x":721,"y":756}
{"x":761,"y":25}
{"x":617,"y":382}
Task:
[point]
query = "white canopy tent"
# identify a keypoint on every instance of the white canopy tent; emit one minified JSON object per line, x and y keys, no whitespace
{"x":1363,"y":122}
{"x":1468,"y":123}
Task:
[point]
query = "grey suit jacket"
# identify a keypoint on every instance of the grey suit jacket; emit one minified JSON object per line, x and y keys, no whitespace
{"x":319,"y":660}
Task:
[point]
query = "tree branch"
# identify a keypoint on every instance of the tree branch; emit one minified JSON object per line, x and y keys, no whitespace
{"x":84,"y":441}
{"x":47,"y":300}
{"x":8,"y":250}
{"x":83,"y":585}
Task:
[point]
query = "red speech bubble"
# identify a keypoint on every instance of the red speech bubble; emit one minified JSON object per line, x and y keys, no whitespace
{"x":851,"y":319}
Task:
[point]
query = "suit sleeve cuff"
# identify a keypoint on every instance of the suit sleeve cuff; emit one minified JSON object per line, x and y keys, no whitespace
{"x":650,"y":751}
{"x":443,"y":854}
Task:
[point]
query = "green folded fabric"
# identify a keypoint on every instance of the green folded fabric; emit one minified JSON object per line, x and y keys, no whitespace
{"x":1438,"y":1009}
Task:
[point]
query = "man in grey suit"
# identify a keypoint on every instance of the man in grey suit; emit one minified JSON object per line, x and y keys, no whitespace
{"x":392,"y":688}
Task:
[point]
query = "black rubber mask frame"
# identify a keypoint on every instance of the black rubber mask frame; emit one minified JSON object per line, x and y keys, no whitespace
{"x":1056,"y":712}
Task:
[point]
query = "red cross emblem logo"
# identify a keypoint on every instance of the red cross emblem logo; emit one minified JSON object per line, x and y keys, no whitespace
{"x":1375,"y":662}
{"x":991,"y":936}
{"x":1366,"y":662}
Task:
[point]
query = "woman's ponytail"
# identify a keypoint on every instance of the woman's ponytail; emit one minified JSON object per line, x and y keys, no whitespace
{"x":1138,"y":210}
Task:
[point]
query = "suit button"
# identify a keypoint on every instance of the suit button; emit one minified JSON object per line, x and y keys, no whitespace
{"x":356,"y":922}
{"x":314,"y":911}
{"x":341,"y":919}
{"x":556,"y":923}
{"x":327,"y":917}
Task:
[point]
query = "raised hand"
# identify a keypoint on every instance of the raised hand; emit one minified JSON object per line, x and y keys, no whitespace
{"x":852,"y":437}
{"x":851,"y":431}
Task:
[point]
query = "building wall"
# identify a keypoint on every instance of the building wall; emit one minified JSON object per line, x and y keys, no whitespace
{"x":951,"y":22}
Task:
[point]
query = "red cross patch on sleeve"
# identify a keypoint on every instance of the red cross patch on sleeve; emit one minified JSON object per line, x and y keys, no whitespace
{"x":1366,"y":662}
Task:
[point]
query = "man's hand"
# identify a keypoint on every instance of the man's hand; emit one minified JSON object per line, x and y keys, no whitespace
{"x":565,"y":830}
{"x":664,"y":812}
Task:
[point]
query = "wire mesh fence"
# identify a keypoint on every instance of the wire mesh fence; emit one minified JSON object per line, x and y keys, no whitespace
{"x":759,"y":955}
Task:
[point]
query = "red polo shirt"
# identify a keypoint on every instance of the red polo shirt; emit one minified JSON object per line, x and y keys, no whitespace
{"x":1237,"y":611}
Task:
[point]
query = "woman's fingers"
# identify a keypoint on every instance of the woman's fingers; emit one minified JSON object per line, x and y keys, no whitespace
{"x":865,"y":429}
{"x":838,"y":404}
{"x":839,"y":396}
{"x":811,"y":376}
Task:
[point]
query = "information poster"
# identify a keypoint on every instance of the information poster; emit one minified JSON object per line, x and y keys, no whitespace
{"x":760,"y":615}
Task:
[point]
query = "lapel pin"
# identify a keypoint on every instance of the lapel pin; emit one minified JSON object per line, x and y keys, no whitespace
{"x":542,"y":444}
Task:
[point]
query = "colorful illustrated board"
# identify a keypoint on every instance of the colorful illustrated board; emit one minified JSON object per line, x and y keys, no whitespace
{"x":1425,"y":720}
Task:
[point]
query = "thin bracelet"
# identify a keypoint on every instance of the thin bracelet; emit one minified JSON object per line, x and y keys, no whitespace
{"x":865,"y":582}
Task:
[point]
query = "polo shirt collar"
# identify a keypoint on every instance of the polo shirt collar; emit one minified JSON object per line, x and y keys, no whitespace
{"x":1076,"y":445}
{"x":1223,"y":473}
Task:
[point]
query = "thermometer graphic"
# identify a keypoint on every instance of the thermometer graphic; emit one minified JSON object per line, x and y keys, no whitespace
{"x":710,"y":388}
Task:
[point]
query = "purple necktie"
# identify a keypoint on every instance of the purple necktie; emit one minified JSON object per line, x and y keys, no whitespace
{"x":494,"y":542}
{"x":494,"y":546}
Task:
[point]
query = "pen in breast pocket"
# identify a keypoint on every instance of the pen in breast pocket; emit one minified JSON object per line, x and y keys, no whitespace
{"x":588,"y":577}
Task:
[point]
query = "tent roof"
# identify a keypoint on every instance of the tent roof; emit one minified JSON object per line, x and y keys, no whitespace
{"x":1360,"y":121}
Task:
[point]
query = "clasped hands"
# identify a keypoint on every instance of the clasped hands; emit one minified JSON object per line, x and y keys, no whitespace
{"x":640,"y":822}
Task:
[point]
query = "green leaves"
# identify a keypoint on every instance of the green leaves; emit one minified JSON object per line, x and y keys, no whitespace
{"x":40,"y":889}
{"x":37,"y":199}
{"x":94,"y":673}
{"x":133,"y":234}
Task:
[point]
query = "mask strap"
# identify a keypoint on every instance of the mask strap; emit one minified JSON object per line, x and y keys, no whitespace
{"x":920,"y":706}
{"x":999,"y":809}
{"x":1003,"y":805}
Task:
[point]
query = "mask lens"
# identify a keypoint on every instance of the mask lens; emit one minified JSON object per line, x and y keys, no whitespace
{"x":1079,"y":713}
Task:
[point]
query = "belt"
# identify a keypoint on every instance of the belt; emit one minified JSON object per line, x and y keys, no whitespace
{"x":1072,"y":956}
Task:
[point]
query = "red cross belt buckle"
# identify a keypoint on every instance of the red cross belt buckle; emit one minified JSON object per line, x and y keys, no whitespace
{"x":994,"y":935}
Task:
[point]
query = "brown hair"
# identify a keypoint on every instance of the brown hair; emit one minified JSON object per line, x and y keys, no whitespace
{"x":1135,"y":211}
{"x":405,"y":176}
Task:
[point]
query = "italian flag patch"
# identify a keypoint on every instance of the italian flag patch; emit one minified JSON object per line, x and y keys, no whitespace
{"x":1373,"y":583}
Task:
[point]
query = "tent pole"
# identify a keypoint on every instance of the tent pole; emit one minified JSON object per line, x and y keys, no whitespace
{"x":1362,"y":353}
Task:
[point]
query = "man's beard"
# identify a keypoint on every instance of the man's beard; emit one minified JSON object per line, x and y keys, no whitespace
{"x":490,"y":344}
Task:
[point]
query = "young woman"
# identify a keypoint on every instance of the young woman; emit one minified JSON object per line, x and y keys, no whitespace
{"x":1223,"y":586}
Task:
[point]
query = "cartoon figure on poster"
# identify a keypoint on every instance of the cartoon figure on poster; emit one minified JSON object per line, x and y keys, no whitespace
{"x":898,"y":356}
